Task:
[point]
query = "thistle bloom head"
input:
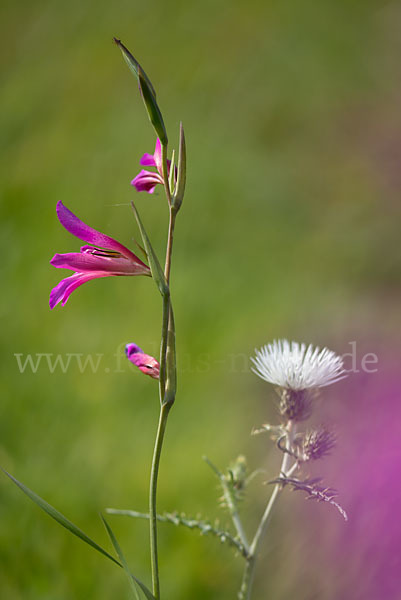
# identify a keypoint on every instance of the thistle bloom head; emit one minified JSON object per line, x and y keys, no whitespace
{"x":104,"y":258}
{"x":146,"y":181}
{"x":145,"y":363}
{"x":296,"y":366}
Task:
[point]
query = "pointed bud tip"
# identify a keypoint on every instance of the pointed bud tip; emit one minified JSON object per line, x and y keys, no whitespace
{"x":132,"y":349}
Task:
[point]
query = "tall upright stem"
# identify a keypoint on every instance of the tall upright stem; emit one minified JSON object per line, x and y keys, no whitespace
{"x":165,"y":174}
{"x":165,"y":408}
{"x":249,"y":571}
{"x":170,"y":240}
{"x":167,"y":386}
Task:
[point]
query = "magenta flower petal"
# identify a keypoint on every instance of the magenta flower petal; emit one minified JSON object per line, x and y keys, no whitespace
{"x":153,"y":160}
{"x":147,"y":160}
{"x":87,"y":234}
{"x":64,"y":289}
{"x":146,"y":181}
{"x":87,"y":262}
{"x":158,"y":156}
{"x":132,"y":349}
{"x":92,"y":262}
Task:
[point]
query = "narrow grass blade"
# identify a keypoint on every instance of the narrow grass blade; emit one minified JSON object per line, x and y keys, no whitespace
{"x":157,"y":271}
{"x":132,"y":579}
{"x":61,"y":519}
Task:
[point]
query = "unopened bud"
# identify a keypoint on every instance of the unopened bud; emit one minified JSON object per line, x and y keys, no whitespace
{"x":317,"y":443}
{"x":145,"y":363}
{"x":295,"y":405}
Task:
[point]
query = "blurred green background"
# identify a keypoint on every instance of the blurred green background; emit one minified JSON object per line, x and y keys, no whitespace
{"x":290,"y":228}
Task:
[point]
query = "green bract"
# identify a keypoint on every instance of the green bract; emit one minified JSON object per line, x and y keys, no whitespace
{"x":147,"y":92}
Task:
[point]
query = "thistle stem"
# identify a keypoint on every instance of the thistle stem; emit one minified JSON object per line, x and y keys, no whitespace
{"x":236,"y":519}
{"x":249,"y":571}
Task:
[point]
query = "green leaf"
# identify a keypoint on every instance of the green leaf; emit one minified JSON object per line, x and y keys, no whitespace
{"x":133,"y":64}
{"x":181,"y":172}
{"x":147,"y":91}
{"x":61,"y":519}
{"x":171,"y":179}
{"x":157,"y":271}
{"x":132,"y":579}
{"x":171,"y":374}
{"x":154,"y":112}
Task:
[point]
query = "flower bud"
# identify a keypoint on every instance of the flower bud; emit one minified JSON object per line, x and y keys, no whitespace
{"x":317,"y":443}
{"x":145,"y":363}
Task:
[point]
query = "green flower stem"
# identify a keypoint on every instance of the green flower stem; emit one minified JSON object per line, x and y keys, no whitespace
{"x":167,"y":390}
{"x":164,"y":411}
{"x":163,"y":348}
{"x":249,"y":571}
{"x":167,"y":352}
{"x":170,"y":240}
{"x":167,"y":385}
{"x":165,"y":173}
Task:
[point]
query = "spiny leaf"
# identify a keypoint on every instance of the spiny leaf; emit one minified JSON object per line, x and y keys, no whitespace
{"x":276,"y":430}
{"x":205,"y":527}
{"x":218,"y":473}
{"x":313,"y":490}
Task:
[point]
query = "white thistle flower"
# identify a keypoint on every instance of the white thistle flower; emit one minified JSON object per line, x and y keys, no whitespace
{"x":297,"y":366}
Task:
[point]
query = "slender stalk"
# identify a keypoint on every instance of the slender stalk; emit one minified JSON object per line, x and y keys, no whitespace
{"x":170,"y":240}
{"x":163,"y":346}
{"x":236,"y":519}
{"x":165,"y":409}
{"x":247,"y":579}
{"x":167,"y":385}
{"x":249,"y":571}
{"x":277,"y":488}
{"x":165,"y":174}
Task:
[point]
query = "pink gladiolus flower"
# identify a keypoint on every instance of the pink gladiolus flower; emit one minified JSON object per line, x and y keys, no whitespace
{"x":146,"y":181}
{"x":106,"y":257}
{"x":145,"y":363}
